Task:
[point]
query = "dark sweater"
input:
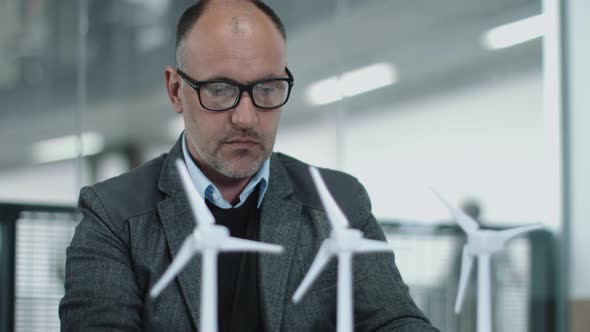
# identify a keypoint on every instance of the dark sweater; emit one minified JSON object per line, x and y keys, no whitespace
{"x":237,"y":273}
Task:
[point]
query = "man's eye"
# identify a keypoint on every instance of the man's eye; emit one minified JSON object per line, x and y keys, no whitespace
{"x":219,"y":90}
{"x":266,"y":89}
{"x":269,"y":87}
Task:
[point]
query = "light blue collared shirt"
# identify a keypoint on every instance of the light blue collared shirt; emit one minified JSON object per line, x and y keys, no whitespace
{"x":208,"y":190}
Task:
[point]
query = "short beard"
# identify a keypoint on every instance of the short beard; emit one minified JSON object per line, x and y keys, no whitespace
{"x":225,"y":168}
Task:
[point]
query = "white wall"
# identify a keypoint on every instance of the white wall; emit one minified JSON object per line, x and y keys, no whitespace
{"x":51,"y":183}
{"x":485,"y":141}
{"x":57,"y":182}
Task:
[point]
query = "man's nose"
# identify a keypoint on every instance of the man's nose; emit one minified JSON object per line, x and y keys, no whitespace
{"x":245,"y":114}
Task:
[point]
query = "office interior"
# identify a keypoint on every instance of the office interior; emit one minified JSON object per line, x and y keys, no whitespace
{"x":485,"y":101}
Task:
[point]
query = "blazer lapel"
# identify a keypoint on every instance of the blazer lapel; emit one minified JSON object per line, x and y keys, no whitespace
{"x":178,"y":223}
{"x":279,"y":224}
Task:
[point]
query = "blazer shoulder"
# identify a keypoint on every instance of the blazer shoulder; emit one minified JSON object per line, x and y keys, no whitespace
{"x":131,"y":193}
{"x":344,"y":187}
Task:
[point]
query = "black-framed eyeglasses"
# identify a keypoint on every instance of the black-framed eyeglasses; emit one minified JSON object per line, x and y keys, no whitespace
{"x":222,"y":95}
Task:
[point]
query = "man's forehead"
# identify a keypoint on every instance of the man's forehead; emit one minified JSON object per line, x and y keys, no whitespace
{"x":209,"y":60}
{"x":234,"y":46}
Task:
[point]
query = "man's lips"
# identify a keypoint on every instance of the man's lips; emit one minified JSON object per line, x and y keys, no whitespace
{"x":242,"y":142}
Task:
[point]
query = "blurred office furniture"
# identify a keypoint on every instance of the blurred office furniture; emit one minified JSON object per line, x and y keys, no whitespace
{"x":33,"y":240}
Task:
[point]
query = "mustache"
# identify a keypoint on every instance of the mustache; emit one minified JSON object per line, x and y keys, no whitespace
{"x":242,"y":134}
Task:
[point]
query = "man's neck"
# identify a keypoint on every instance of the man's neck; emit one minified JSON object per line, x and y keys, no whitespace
{"x":229,"y":188}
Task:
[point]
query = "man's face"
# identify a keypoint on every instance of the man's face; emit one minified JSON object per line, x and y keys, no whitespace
{"x":242,"y":47}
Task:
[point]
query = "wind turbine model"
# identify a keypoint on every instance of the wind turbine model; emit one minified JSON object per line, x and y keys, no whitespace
{"x":481,"y":244}
{"x":343,"y":243}
{"x":208,"y":239}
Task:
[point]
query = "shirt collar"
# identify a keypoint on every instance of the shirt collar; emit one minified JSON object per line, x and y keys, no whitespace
{"x":208,"y":190}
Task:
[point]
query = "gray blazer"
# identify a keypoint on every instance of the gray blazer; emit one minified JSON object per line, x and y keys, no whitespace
{"x":135,"y":223}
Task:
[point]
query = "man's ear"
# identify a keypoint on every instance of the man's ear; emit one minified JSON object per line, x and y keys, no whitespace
{"x":173,"y":87}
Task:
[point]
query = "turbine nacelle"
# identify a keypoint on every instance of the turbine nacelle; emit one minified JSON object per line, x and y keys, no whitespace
{"x":346,"y":239}
{"x":212,"y":236}
{"x":484,"y":242}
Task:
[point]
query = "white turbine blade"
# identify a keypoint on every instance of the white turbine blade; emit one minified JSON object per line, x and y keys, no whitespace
{"x":507,"y":234}
{"x":185,"y":254}
{"x":336,"y":216}
{"x":466,"y":266}
{"x":320,"y":260}
{"x":367,"y":245}
{"x":237,"y":244}
{"x":465,"y":222}
{"x":196,"y":202}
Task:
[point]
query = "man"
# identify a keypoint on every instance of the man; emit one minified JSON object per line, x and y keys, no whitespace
{"x":230,"y":84}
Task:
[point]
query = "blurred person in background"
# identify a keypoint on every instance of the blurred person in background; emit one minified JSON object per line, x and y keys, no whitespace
{"x":230,"y":84}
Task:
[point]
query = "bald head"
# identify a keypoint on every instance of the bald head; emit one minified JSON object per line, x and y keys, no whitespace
{"x":237,"y":16}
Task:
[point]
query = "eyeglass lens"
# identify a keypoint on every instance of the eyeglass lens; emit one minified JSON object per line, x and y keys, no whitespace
{"x":223,"y":95}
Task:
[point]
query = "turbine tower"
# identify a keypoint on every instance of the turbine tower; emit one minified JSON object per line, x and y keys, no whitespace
{"x":208,"y":239}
